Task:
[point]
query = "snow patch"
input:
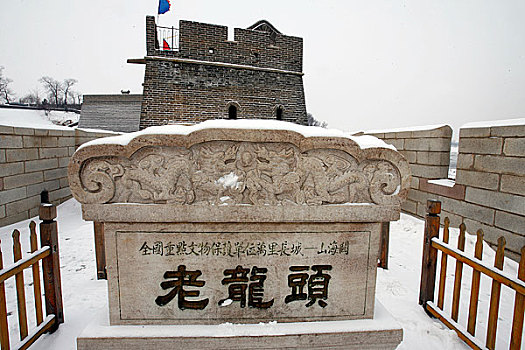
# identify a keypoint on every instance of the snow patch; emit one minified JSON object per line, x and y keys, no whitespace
{"x":411,"y":128}
{"x":398,"y":188}
{"x":491,"y":123}
{"x":225,"y":302}
{"x":230,"y":180}
{"x":443,"y":182}
{"x":34,"y":118}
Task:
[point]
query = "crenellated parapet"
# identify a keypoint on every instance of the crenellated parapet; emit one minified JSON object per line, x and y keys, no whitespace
{"x":263,"y":46}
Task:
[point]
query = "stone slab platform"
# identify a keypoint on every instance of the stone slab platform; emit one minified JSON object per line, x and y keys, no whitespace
{"x":381,"y":332}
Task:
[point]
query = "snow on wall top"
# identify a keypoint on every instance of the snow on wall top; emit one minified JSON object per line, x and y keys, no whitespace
{"x":411,"y":128}
{"x":491,"y":123}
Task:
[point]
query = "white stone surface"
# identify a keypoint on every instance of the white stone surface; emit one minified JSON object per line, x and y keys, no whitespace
{"x":138,"y":256}
{"x":381,"y":332}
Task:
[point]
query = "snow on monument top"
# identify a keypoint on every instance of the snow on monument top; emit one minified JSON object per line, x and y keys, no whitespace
{"x":363,"y":142}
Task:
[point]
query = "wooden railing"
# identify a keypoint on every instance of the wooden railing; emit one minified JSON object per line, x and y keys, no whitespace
{"x":431,"y":245}
{"x":48,"y":254}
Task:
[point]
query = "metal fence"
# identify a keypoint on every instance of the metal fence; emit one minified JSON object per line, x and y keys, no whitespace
{"x":168,"y":38}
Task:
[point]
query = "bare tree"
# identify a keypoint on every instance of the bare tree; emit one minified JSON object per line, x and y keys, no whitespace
{"x":32,"y":98}
{"x":66,"y":86}
{"x":6,"y":94}
{"x":76,"y":96}
{"x":52,"y":87}
{"x":314,"y":122}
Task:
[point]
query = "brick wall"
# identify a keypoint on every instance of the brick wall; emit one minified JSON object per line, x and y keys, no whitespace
{"x":31,"y":161}
{"x":191,"y":93}
{"x":209,"y":42}
{"x":258,"y":73}
{"x":489,"y":191}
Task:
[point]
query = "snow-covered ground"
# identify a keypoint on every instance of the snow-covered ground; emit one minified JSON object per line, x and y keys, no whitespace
{"x":397,"y":288}
{"x":40,"y":119}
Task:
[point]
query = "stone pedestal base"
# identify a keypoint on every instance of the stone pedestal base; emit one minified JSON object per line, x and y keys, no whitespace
{"x":382,"y":332}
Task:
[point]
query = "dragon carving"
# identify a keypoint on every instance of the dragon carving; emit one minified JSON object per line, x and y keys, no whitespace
{"x":239,"y":173}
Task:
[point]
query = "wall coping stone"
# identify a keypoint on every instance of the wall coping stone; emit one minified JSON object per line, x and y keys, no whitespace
{"x":222,"y":64}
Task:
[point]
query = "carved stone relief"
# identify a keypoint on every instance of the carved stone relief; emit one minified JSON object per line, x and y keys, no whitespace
{"x":239,"y":173}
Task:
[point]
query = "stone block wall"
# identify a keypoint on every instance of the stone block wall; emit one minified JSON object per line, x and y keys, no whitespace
{"x":491,"y":167}
{"x":34,"y":160}
{"x":489,"y":190}
{"x":428,"y":152}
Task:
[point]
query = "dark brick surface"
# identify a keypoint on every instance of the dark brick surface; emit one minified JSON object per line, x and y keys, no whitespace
{"x":182,"y":92}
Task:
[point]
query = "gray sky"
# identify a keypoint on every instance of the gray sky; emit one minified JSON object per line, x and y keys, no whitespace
{"x":368,"y":64}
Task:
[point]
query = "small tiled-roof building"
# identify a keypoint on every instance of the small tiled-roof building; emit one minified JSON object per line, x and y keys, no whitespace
{"x":111,"y":112}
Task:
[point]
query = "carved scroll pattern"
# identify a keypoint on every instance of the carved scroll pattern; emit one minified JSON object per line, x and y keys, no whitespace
{"x":239,"y":173}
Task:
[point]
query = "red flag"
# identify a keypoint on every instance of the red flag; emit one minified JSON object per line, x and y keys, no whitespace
{"x":165,"y":45}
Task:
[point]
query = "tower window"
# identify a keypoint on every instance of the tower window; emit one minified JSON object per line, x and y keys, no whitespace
{"x":232,"y":112}
{"x":279,"y":113}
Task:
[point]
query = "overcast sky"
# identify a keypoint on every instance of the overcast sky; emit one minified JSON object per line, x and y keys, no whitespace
{"x":367,"y":64}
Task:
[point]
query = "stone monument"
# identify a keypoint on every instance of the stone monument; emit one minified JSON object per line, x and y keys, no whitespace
{"x":227,"y":224}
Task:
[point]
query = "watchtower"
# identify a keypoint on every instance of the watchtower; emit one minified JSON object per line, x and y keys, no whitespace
{"x":195,"y":73}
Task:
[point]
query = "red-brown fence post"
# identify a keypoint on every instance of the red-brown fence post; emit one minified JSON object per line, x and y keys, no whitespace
{"x":385,"y":239}
{"x":4,"y":327}
{"x":429,"y":262}
{"x":100,"y":251}
{"x":51,"y":264}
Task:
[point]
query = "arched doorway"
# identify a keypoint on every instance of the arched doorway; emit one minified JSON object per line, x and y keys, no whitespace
{"x":232,"y":112}
{"x":279,"y":113}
